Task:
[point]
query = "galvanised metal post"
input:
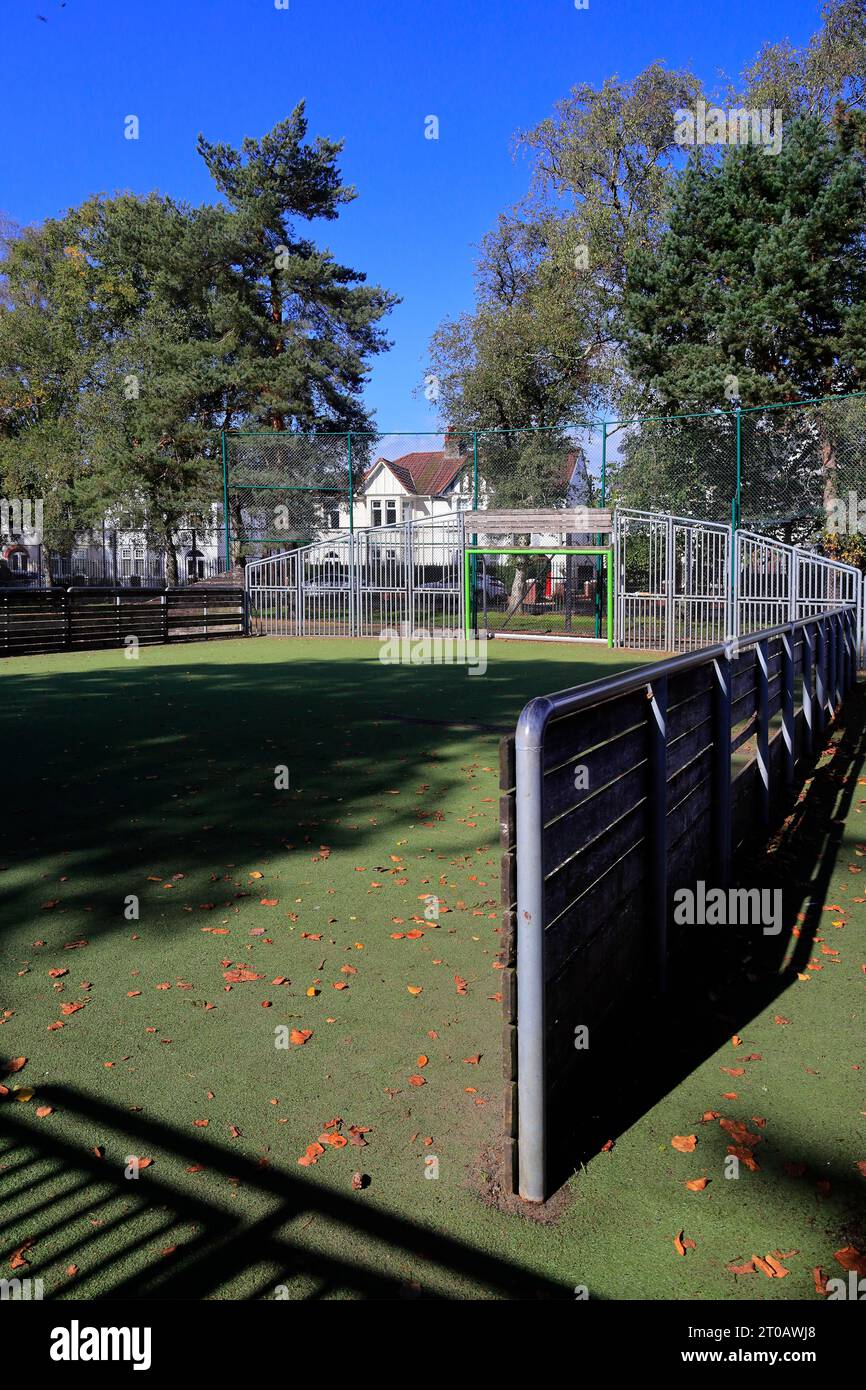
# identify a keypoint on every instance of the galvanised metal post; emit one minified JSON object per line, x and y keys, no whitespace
{"x":763,"y":722}
{"x":788,"y":707}
{"x":722,"y":671}
{"x":226,"y":497}
{"x":820,"y":711}
{"x":806,"y":697}
{"x":529,"y":773}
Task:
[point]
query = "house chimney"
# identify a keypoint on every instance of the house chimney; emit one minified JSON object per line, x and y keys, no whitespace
{"x":454,"y":444}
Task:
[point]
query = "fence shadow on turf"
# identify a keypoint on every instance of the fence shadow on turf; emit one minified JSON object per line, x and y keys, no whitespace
{"x":722,"y":978}
{"x":132,"y":1250}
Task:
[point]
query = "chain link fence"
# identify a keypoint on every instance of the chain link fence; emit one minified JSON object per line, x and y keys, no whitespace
{"x":793,"y":472}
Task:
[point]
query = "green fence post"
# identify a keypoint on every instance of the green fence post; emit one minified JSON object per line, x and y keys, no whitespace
{"x":739,"y":462}
{"x":610,"y":575}
{"x":226,"y":497}
{"x":599,"y":564}
{"x":471,"y":593}
{"x":352,"y":604}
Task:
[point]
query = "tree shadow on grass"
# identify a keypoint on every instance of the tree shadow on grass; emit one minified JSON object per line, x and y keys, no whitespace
{"x":132,"y":1249}
{"x":134,"y":769}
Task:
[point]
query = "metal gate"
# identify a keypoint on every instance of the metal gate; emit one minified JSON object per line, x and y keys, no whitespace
{"x":402,"y":578}
{"x":673,"y":580}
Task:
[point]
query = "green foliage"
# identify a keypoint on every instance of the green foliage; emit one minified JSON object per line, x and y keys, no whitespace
{"x":135,"y":328}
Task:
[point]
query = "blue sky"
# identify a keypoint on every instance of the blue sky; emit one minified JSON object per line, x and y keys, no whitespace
{"x":371,"y":72}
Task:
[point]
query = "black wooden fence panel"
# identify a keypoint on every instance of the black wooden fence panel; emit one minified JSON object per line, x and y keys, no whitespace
{"x":642,"y":791}
{"x":36,"y":621}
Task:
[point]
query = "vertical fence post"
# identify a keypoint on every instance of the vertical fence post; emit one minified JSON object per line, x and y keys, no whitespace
{"x":225,"y":462}
{"x":670,"y":577}
{"x":735,"y":576}
{"x":164,"y":605}
{"x":788,"y":640}
{"x":763,"y":714}
{"x":722,"y":673}
{"x":299,"y":588}
{"x":657,"y":802}
{"x":831,"y":667}
{"x":67,"y":617}
{"x":353,"y":623}
{"x":820,"y":679}
{"x":531,"y":1081}
{"x":409,"y":562}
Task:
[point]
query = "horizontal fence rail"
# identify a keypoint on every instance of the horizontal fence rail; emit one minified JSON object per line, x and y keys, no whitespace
{"x":627,"y":788}
{"x":361,"y":583}
{"x":56,"y":620}
{"x":682,"y":583}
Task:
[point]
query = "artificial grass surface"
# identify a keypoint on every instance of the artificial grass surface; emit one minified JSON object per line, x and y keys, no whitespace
{"x":125,"y":775}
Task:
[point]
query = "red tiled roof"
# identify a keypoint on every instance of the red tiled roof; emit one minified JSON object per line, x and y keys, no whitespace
{"x":424,"y":473}
{"x":427,"y":474}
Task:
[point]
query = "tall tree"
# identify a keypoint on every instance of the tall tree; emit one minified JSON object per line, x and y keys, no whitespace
{"x":758,"y":286}
{"x":304,"y":326}
{"x":542,"y":346}
{"x":47,"y":363}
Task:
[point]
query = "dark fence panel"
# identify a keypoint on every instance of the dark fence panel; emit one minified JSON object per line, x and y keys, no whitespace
{"x":628,"y":789}
{"x":34,"y":621}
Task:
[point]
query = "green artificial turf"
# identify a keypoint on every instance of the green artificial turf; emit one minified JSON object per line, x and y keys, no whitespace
{"x":154,"y":779}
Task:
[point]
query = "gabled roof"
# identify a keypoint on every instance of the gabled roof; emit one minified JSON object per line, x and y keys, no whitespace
{"x":424,"y":474}
{"x":430,"y":473}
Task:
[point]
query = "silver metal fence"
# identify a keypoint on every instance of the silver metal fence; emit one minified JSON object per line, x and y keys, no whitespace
{"x":684,"y":583}
{"x":673,"y":580}
{"x":406,"y":577}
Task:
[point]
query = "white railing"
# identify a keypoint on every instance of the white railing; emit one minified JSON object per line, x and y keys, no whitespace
{"x":684,"y":583}
{"x":407,"y":577}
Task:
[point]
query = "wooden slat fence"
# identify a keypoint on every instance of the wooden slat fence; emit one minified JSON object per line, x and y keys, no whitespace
{"x":624,"y":790}
{"x":56,"y":620}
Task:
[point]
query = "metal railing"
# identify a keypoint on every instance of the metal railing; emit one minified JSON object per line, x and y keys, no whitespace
{"x":684,"y":583}
{"x":594,"y":867}
{"x":406,"y":577}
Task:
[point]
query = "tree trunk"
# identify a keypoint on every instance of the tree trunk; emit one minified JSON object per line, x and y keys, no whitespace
{"x":45,"y":566}
{"x":518,"y":584}
{"x":170,"y":559}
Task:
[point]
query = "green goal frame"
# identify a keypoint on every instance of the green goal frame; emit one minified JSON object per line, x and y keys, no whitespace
{"x":604,"y":551}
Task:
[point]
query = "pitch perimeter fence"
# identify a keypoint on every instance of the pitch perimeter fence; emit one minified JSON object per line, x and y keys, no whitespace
{"x":788,"y":470}
{"x":57,"y":620}
{"x":624,"y":790}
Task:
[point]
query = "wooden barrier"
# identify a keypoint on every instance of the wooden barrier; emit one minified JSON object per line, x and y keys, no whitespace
{"x":56,"y":620}
{"x":627,"y":790}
